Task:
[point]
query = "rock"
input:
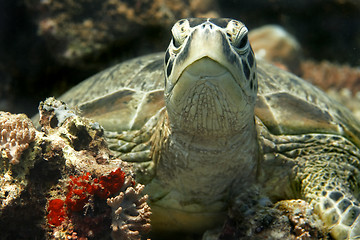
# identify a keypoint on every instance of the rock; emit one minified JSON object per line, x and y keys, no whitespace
{"x":274,"y":44}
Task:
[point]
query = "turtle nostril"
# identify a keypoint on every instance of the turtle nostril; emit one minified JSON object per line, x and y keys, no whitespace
{"x":207,"y":25}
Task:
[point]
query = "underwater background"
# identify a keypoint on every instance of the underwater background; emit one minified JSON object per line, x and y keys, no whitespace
{"x":62,"y":176}
{"x":48,"y":46}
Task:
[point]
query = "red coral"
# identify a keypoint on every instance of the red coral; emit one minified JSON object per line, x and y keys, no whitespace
{"x":111,"y":183}
{"x":80,"y":190}
{"x":56,"y":211}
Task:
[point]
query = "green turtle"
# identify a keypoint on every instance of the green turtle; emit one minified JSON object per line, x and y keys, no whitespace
{"x":205,"y":121}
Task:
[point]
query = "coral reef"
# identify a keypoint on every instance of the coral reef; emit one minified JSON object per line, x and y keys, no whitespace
{"x":16,"y":132}
{"x":65,"y":175}
{"x":131,"y":213}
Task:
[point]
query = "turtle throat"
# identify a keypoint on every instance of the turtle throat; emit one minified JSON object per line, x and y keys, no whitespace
{"x":207,"y":101}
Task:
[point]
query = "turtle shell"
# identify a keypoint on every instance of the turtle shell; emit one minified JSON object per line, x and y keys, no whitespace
{"x":125,"y":96}
{"x":289,"y":105}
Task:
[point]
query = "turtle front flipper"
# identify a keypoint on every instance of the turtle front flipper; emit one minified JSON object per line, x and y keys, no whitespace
{"x":340,"y":213}
{"x":140,"y":147}
{"x":330,"y":183}
{"x":321,"y":168}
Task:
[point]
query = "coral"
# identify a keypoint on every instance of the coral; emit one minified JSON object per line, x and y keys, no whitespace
{"x":53,"y":113}
{"x":131,"y":213}
{"x":111,"y":184}
{"x":17,"y":138}
{"x":16,"y":133}
{"x":80,"y":139}
{"x":81,"y":189}
{"x":83,"y":193}
{"x":56,"y":212}
{"x":65,"y":230}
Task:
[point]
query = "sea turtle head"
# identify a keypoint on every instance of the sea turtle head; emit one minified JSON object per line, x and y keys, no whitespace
{"x":210,"y":72}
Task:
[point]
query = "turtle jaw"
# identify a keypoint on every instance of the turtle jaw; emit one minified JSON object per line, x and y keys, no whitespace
{"x":214,"y":76}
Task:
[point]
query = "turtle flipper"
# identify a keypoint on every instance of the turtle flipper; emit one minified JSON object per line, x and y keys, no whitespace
{"x":331,"y":192}
{"x":140,"y":147}
{"x":136,"y":145}
{"x":340,"y":213}
{"x":130,"y":146}
{"x":325,"y":171}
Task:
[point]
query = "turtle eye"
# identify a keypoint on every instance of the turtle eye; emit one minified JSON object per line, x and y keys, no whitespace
{"x":237,"y":34}
{"x":238,"y":41}
{"x":242,"y":43}
{"x":180,"y":32}
{"x":176,"y":43}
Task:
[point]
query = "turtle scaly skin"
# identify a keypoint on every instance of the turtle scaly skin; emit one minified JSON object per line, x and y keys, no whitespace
{"x":224,"y":122}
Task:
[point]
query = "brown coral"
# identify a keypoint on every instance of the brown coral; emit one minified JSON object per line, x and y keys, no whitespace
{"x":131,"y":213}
{"x":16,"y":133}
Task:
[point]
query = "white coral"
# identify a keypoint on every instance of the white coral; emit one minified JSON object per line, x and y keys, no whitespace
{"x":130,"y":212}
{"x":16,"y":132}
